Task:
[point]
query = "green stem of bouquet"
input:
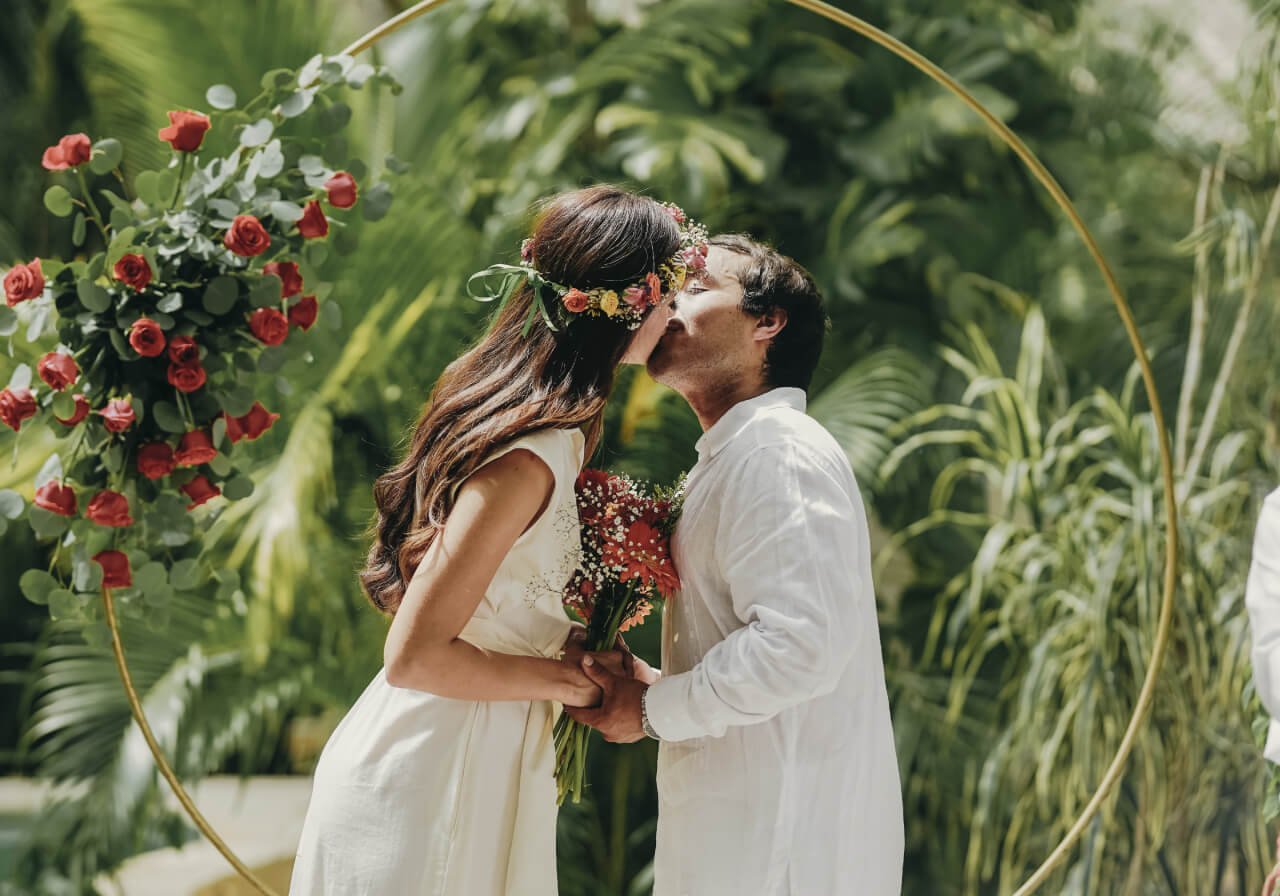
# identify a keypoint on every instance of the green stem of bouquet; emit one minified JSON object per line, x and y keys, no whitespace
{"x":182,"y":179}
{"x":90,"y":205}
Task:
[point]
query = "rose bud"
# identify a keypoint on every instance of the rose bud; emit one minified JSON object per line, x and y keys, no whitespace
{"x":195,"y":448}
{"x":156,"y":460}
{"x":250,"y":425}
{"x":247,"y":236}
{"x":304,"y":313}
{"x":81,"y":411}
{"x":200,"y":490}
{"x":58,"y":370}
{"x":118,"y":415}
{"x":16,"y":405}
{"x":56,"y":498}
{"x":186,"y":130}
{"x":313,"y":223}
{"x":134,"y":271}
{"x":269,"y":325}
{"x":23,"y":282}
{"x":109,"y":508}
{"x":71,"y":151}
{"x":342,"y":190}
{"x":576,"y":301}
{"x":147,"y":338}
{"x":290,"y":279}
{"x":184,"y":352}
{"x":186,"y":379}
{"x":115,"y":569}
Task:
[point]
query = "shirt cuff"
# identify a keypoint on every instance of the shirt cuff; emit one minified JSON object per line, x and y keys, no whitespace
{"x":668,"y":704}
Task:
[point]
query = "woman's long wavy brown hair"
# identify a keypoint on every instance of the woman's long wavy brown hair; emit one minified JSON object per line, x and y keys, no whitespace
{"x":508,"y":384}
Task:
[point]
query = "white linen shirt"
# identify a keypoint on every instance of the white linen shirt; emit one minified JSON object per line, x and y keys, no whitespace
{"x":777,"y":772}
{"x":1262,"y":599}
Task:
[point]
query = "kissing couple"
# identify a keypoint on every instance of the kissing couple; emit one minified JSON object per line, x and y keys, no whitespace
{"x":777,"y":773}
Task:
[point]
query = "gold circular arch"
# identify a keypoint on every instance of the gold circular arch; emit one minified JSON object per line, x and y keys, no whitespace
{"x":1060,"y":198}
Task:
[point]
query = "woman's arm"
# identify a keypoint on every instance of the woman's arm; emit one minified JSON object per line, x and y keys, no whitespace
{"x":423,"y":651}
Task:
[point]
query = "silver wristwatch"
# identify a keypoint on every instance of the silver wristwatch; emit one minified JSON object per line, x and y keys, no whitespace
{"x":644,"y":715}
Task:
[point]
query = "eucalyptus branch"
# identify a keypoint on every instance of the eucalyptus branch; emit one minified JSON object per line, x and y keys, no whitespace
{"x":92,"y":207}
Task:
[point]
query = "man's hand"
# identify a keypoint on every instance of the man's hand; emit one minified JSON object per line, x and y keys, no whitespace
{"x":618,"y":715}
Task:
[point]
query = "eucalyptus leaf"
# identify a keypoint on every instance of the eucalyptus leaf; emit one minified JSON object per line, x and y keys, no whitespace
{"x":11,"y":504}
{"x":258,"y":133}
{"x":297,"y":103}
{"x":86,"y":575}
{"x":237,"y":402}
{"x":21,"y":377}
{"x":64,"y":404}
{"x":186,"y":575}
{"x":220,"y":97}
{"x":272,"y":358}
{"x":334,"y":118}
{"x":93,"y":297}
{"x":376,"y":201}
{"x":221,"y":464}
{"x":266,"y":292}
{"x":58,"y":201}
{"x":200,"y":318}
{"x":238,"y":488}
{"x":147,"y":186}
{"x":8,"y":321}
{"x":287,"y":212}
{"x":107,"y":154}
{"x":123,"y":350}
{"x":36,"y":584}
{"x":221,"y":294}
{"x":312,"y":165}
{"x":218,"y":431}
{"x":79,"y":229}
{"x":151,"y":576}
{"x":170,"y":303}
{"x":168,"y":417}
{"x":277,"y":77}
{"x":51,"y":469}
{"x":63,"y":604}
{"x":46,"y":523}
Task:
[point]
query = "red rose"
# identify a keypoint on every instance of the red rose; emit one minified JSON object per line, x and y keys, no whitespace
{"x":342,"y":190}
{"x":23,"y":282}
{"x":133,"y":270}
{"x":576,"y":301}
{"x":304,"y":313}
{"x":251,"y":425}
{"x":16,"y":405}
{"x":81,"y":411}
{"x":269,"y":325}
{"x":200,"y":490}
{"x":247,"y":236}
{"x":313,"y":223}
{"x":155,"y":460}
{"x":184,"y":351}
{"x":115,"y":569}
{"x":58,"y":370}
{"x":185,"y":131}
{"x":147,"y":338}
{"x":109,"y":508}
{"x":57,"y":498}
{"x":290,"y":279}
{"x":653,"y":287}
{"x":118,"y":415}
{"x":71,"y":151}
{"x":186,"y":379}
{"x":195,"y":448}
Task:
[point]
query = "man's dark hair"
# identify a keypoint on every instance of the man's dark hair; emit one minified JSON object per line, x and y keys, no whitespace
{"x":772,"y":280}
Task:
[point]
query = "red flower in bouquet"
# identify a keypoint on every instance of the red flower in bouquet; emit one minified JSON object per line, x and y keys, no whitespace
{"x":56,"y":498}
{"x":269,"y":325}
{"x":186,"y":130}
{"x":109,"y":508}
{"x":186,"y":379}
{"x":156,"y":460}
{"x":115,"y":569}
{"x":195,"y":448}
{"x":118,"y":415}
{"x":643,"y":554}
{"x":247,"y":237}
{"x":251,"y":425}
{"x":133,"y":271}
{"x":200,"y":490}
{"x":16,"y":405}
{"x":290,"y":278}
{"x":147,"y":338}
{"x":313,"y":223}
{"x":23,"y":282}
{"x":341,"y":189}
{"x":184,"y":352}
{"x":71,"y":151}
{"x":58,"y":370}
{"x":303,"y":314}
{"x":81,"y":411}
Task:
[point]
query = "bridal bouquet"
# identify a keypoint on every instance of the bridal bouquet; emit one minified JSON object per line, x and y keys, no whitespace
{"x":626,"y":567}
{"x":194,"y":281}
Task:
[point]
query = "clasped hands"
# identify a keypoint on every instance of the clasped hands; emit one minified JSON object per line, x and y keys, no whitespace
{"x":610,"y":687}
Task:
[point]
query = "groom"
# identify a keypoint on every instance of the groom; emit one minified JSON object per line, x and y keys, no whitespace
{"x":777,"y":774}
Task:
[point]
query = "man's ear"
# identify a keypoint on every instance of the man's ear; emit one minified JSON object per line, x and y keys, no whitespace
{"x":770,"y":324}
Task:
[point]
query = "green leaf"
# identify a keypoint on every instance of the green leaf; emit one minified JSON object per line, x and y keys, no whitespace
{"x":123,"y":350}
{"x":113,"y":457}
{"x":170,"y":303}
{"x":221,"y":294}
{"x":238,"y":488}
{"x":46,"y":523}
{"x":312,"y":165}
{"x":11,"y":504}
{"x":86,"y":575}
{"x":58,"y":201}
{"x":147,"y":186}
{"x":221,"y":464}
{"x":258,"y":133}
{"x":218,"y":431}
{"x":63,"y":604}
{"x":266,"y":291}
{"x":93,"y":297}
{"x":64,"y":404}
{"x":397,"y":166}
{"x":36,"y":585}
{"x":287,"y":212}
{"x":166,"y":184}
{"x":107,"y":154}
{"x":21,"y":379}
{"x":271,"y":359}
{"x":220,"y":97}
{"x":151,"y":577}
{"x":334,"y":118}
{"x":296,"y":103}
{"x":79,"y":230}
{"x":186,"y":574}
{"x":277,"y":77}
{"x":168,"y":417}
{"x":315,"y":252}
{"x":377,"y":201}
{"x":238,"y":401}
{"x":8,"y":321}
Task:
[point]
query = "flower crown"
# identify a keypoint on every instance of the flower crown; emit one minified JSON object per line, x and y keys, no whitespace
{"x":626,"y":306}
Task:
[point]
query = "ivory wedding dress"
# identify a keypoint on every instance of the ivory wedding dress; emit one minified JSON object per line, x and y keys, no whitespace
{"x":420,"y":795}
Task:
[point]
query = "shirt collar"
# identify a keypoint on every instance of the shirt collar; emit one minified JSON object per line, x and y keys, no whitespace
{"x":738,"y":416}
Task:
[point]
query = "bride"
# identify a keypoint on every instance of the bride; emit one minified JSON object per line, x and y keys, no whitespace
{"x":439,"y":781}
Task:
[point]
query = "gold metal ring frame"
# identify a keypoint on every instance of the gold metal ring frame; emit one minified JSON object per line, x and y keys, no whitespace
{"x":1046,"y":180}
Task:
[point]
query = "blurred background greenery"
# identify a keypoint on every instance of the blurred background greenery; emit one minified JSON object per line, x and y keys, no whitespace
{"x":976,"y":374}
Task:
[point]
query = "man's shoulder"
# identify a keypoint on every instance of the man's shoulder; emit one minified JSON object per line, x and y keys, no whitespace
{"x":790,"y":433}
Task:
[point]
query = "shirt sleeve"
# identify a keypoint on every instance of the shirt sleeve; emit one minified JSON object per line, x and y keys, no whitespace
{"x":1262,"y":599}
{"x":787,"y":545}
